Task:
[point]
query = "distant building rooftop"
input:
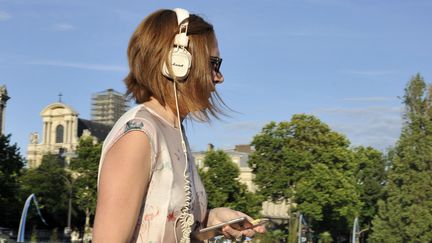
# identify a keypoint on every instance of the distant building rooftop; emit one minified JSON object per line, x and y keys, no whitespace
{"x":99,"y":130}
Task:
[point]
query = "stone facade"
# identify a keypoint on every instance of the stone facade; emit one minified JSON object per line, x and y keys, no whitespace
{"x":240,"y":155}
{"x":61,"y":131}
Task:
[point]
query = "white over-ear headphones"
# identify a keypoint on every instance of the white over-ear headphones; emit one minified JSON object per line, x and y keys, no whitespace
{"x":179,"y":56}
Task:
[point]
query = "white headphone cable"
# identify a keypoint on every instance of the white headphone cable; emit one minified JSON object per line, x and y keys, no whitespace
{"x":186,"y":218}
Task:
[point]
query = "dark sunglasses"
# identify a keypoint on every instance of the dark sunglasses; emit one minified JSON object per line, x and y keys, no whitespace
{"x":216,"y":63}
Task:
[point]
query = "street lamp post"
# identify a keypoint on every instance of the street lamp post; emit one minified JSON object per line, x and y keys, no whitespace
{"x":68,"y":230}
{"x":67,"y":156}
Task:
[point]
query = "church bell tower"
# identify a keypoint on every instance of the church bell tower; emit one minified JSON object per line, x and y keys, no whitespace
{"x":3,"y":99}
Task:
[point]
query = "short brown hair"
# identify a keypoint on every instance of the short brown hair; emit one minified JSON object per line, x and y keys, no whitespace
{"x":148,"y":50}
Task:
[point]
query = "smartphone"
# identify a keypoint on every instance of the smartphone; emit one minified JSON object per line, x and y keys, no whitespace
{"x":237,"y":224}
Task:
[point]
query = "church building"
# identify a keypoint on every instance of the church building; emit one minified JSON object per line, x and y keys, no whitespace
{"x":61,"y":131}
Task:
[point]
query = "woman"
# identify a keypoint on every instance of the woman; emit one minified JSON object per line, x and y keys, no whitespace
{"x":148,"y":187}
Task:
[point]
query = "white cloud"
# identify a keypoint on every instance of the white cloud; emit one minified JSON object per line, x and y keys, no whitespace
{"x":377,"y":126}
{"x":380,"y":135}
{"x":362,"y":111}
{"x":63,"y":27}
{"x":370,"y":72}
{"x":311,"y":32}
{"x":370,"y":99}
{"x":241,"y":132}
{"x":303,"y":33}
{"x":5,"y":16}
{"x":382,"y":127}
{"x":88,"y":66}
{"x":244,"y":126}
{"x":127,"y":16}
{"x":338,"y":3}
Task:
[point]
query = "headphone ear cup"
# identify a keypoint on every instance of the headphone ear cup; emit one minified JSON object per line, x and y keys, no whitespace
{"x":181,"y":61}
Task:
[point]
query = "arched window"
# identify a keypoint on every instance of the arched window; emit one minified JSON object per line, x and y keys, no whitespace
{"x":59,"y":133}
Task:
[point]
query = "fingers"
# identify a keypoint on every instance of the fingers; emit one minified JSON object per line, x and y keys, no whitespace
{"x":257,"y":229}
{"x":240,"y":214}
{"x":220,"y":215}
{"x":254,"y":229}
{"x":260,"y":229}
{"x":248,"y":232}
{"x":229,"y":232}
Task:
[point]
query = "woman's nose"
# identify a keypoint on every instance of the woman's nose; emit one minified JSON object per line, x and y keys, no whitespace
{"x":218,"y":77}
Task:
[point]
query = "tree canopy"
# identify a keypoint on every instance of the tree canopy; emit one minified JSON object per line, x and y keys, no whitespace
{"x":307,"y":162}
{"x":51,"y":185}
{"x":405,"y":215}
{"x":370,"y":175}
{"x":11,"y":164}
{"x":84,"y":168}
{"x":220,"y":178}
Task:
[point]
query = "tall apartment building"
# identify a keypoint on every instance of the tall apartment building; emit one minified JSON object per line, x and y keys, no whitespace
{"x":108,"y":106}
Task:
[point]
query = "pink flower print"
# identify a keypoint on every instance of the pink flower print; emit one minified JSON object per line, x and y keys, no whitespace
{"x":153,"y":212}
{"x":171,"y":216}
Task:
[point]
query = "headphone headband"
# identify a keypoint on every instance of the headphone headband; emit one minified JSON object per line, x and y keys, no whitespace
{"x":180,"y":59}
{"x":182,"y":14}
{"x":181,"y":38}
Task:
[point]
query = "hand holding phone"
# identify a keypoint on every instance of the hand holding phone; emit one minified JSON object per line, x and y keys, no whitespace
{"x":239,"y":224}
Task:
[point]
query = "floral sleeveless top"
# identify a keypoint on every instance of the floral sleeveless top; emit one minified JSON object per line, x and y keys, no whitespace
{"x":165,"y":194}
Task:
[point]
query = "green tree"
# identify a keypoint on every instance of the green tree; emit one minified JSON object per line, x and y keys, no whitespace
{"x":370,"y":175}
{"x":406,"y":213}
{"x":220,"y":178}
{"x":49,"y":183}
{"x":84,"y":169}
{"x":11,"y":164}
{"x":305,"y":161}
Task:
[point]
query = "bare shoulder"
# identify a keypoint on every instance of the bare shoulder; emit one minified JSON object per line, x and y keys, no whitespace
{"x":124,"y":178}
{"x":127,"y":156}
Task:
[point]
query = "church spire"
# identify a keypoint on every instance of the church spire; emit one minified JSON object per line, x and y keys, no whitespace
{"x":3,"y":99}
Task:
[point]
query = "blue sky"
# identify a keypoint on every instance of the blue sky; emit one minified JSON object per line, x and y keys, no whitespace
{"x":344,"y":61}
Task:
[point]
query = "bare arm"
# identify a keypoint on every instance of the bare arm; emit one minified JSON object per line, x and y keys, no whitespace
{"x":123,"y":184}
